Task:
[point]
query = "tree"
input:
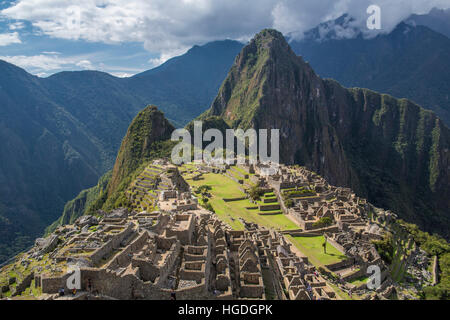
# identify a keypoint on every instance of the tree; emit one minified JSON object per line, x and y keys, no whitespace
{"x":256,"y":193}
{"x":289,"y":203}
{"x":204,"y":190}
{"x":323,"y":222}
{"x":208,"y":206}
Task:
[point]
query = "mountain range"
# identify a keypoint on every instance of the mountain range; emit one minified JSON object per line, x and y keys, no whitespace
{"x":437,"y":20}
{"x":411,"y":62}
{"x":61,"y":133}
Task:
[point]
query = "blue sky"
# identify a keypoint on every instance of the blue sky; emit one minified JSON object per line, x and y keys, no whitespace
{"x":44,"y":55}
{"x":125,"y":37}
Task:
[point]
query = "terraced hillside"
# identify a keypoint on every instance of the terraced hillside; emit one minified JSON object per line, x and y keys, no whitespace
{"x":230,"y":201}
{"x":142,"y":192}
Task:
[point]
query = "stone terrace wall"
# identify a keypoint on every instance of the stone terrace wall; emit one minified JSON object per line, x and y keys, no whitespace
{"x":53,"y":284}
{"x":123,"y":258}
{"x":341,"y":265}
{"x":336,"y":245}
{"x":110,"y":245}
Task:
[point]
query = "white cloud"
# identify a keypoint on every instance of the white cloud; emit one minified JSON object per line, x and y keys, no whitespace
{"x":46,"y":63}
{"x":296,"y":17}
{"x":169,"y":26}
{"x":122,"y":74}
{"x":164,"y":56}
{"x":9,"y":38}
{"x":16,"y":25}
{"x":42,"y":62}
{"x":85,"y":64}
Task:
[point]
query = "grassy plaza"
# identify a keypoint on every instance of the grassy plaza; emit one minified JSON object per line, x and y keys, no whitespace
{"x":230,"y":211}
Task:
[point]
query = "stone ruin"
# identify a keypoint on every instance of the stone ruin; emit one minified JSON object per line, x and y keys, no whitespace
{"x":182,"y":249}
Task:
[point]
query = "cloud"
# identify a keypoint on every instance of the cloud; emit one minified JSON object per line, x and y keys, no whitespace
{"x":9,"y":38}
{"x":296,"y":17}
{"x":85,"y":64}
{"x":16,"y":25}
{"x":44,"y":63}
{"x":48,"y":63}
{"x":122,"y":74}
{"x":169,"y":26}
{"x":164,"y":56}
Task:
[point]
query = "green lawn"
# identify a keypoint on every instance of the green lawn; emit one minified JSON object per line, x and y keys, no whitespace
{"x":359,"y":281}
{"x":223,"y":187}
{"x":230,"y":212}
{"x":312,"y":247}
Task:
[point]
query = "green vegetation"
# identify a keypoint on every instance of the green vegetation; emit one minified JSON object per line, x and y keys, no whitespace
{"x":433,"y":245}
{"x":385,"y":248}
{"x":204,"y":190}
{"x":393,"y":152}
{"x":313,"y":248}
{"x":434,"y":157}
{"x":289,"y":203}
{"x":146,"y":139}
{"x":222,"y":187}
{"x":255,"y":193}
{"x":84,"y":203}
{"x":301,"y":192}
{"x":359,"y":281}
{"x":323,"y":222}
{"x":19,"y":271}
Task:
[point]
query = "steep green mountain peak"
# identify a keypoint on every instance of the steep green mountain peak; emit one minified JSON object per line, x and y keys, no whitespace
{"x":265,"y":64}
{"x":142,"y":141}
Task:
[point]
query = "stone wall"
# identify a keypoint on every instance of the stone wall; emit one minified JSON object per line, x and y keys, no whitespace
{"x":183,"y":235}
{"x":110,"y":245}
{"x":341,"y":265}
{"x":147,"y":270}
{"x":53,"y":284}
{"x":123,"y":258}
{"x":269,"y":207}
{"x":26,"y":282}
{"x":336,"y":245}
{"x":435,"y":270}
{"x":234,"y":199}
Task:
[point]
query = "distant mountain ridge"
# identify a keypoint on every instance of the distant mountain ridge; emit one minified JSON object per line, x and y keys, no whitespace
{"x":411,"y":62}
{"x":185,"y":86}
{"x":437,"y":20}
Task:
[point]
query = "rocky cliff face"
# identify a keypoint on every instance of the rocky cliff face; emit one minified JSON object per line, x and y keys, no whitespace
{"x":389,"y":150}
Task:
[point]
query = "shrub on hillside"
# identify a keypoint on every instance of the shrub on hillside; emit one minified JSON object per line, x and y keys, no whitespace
{"x":385,"y":248}
{"x":289,"y":203}
{"x":323,"y":222}
{"x":256,"y":193}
